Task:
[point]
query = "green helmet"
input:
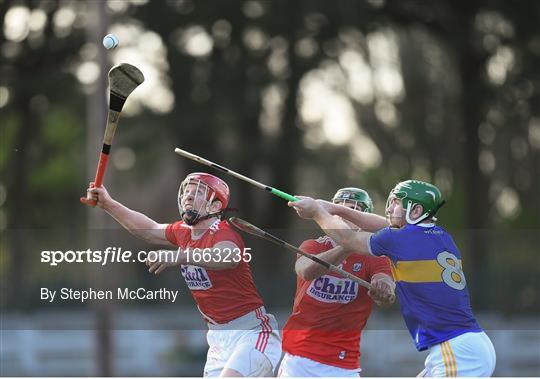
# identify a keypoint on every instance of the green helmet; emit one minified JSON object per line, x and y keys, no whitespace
{"x":413,"y":192}
{"x":359,"y":196}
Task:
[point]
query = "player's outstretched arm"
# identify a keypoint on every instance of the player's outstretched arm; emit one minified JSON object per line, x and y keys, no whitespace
{"x":138,"y":224}
{"x":333,"y":226}
{"x":366,"y":221}
{"x":310,"y":270}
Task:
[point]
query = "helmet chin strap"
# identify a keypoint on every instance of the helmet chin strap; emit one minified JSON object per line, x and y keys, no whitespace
{"x":408,"y":215}
{"x":193,"y":217}
{"x":190,"y":217}
{"x":424,"y":216}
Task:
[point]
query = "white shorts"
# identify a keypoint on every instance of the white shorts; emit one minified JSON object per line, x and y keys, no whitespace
{"x":296,"y":366}
{"x":470,"y":354}
{"x":250,"y":345}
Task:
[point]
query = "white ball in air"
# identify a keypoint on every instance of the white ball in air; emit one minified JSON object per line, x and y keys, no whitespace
{"x":110,"y":41}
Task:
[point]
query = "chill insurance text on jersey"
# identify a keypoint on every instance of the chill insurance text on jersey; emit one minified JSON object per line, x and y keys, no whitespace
{"x":231,"y":305}
{"x":214,"y":289}
{"x":330,"y":312}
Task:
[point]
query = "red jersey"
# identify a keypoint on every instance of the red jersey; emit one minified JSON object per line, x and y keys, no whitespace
{"x":330,"y":312}
{"x":221,"y":295}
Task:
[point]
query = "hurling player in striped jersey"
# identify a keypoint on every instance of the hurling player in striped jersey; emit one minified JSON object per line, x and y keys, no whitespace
{"x":322,"y":336}
{"x":243,"y":339}
{"x":427,"y":267}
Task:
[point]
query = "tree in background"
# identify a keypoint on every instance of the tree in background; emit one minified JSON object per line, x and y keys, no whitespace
{"x":306,"y":95}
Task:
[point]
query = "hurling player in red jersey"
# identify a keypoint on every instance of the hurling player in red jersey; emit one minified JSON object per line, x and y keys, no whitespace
{"x":243,"y":339}
{"x":322,"y":336}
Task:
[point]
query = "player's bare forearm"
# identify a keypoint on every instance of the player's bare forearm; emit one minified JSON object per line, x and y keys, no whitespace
{"x":340,"y":232}
{"x":138,"y":224}
{"x":366,"y":221}
{"x":310,"y":270}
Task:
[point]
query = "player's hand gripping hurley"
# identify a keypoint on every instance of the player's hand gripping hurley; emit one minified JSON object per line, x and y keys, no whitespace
{"x":252,"y":229}
{"x":123,"y":79}
{"x":208,"y":163}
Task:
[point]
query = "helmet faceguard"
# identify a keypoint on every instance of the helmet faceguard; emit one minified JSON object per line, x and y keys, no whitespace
{"x":361,"y":198}
{"x":208,"y":187}
{"x":415,"y":192}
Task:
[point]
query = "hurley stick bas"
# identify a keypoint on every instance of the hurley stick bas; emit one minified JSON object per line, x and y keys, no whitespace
{"x":123,"y":79}
{"x":257,"y":184}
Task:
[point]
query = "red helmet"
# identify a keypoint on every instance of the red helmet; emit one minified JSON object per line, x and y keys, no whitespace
{"x":220,"y":188}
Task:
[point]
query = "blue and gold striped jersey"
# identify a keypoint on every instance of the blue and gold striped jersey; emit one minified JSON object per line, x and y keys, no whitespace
{"x":430,"y":283}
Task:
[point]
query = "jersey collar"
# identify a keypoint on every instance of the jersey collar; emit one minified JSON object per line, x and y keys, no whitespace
{"x":426,"y":224}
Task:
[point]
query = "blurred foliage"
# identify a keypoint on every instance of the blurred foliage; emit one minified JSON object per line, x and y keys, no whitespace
{"x":450,"y":93}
